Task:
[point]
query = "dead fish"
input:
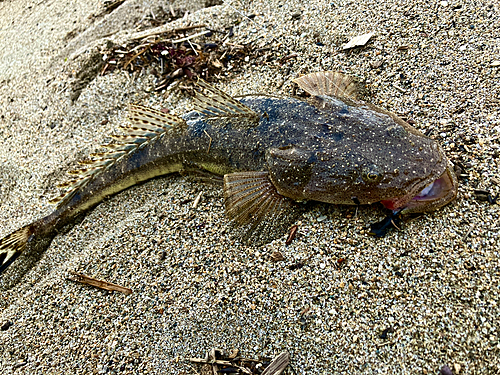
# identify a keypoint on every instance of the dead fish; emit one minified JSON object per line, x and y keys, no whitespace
{"x":272,"y":152}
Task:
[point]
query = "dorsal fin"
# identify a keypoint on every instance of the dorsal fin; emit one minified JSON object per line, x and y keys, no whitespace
{"x":212,"y":102}
{"x":334,"y":84}
{"x":151,"y":119}
{"x":146,"y":125}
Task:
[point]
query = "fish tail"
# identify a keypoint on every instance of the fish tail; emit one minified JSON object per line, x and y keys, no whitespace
{"x":12,"y":245}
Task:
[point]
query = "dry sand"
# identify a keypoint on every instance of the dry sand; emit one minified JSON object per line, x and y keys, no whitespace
{"x":410,"y":303}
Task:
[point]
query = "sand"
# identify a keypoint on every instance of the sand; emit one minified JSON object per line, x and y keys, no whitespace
{"x":341,"y":301}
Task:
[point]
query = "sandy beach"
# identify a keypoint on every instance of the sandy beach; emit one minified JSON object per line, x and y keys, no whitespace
{"x":341,"y":301}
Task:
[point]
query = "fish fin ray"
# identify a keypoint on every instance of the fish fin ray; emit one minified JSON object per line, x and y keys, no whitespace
{"x":152,"y":119}
{"x":146,"y":125}
{"x":213,"y":102}
{"x":331,"y":83}
{"x":256,"y":209}
{"x":12,"y":245}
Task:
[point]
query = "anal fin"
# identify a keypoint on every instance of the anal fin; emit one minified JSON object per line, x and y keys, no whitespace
{"x":259,"y":213}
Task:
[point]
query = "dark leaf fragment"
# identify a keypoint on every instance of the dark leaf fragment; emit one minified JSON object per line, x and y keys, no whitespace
{"x":486,"y":196}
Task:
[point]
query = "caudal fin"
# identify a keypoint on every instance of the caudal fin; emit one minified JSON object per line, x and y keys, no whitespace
{"x":12,"y":246}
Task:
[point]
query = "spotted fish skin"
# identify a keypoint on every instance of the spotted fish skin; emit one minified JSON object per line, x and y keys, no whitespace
{"x":272,"y":151}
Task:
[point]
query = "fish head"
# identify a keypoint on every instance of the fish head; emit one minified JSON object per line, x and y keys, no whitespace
{"x":367,"y":158}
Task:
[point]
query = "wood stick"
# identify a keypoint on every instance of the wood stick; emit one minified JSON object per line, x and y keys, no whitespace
{"x":189,"y":37}
{"x":99,"y":283}
{"x":146,"y":33}
{"x":278,"y":364}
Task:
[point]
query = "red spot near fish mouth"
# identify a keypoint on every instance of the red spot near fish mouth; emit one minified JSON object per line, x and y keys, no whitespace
{"x":389,"y":204}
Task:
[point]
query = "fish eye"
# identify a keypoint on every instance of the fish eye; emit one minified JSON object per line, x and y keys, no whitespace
{"x":397,"y":131}
{"x":372,"y":174}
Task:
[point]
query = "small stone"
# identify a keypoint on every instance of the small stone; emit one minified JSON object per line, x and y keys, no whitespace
{"x":277,"y":256}
{"x":376,"y":64}
{"x":6,"y":325}
{"x":385,"y":333}
{"x":445,"y":370}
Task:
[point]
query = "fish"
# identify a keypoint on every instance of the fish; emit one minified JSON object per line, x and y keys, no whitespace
{"x":272,"y":155}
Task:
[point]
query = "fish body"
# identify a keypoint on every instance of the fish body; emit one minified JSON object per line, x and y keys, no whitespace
{"x":271,"y":151}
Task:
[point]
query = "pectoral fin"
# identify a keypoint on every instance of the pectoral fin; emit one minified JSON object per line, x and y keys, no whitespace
{"x":259,"y":212}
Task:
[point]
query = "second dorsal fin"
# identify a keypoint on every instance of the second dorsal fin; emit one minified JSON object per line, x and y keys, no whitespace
{"x":146,"y":125}
{"x":212,"y":102}
{"x":334,"y":84}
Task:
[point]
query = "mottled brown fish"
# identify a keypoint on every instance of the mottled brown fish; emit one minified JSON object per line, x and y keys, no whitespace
{"x":272,"y":153}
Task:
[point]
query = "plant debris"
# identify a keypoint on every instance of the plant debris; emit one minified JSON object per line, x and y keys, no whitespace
{"x":218,"y":361}
{"x":486,"y":196}
{"x":358,"y":41}
{"x":292,"y":234}
{"x":180,"y":53}
{"x":110,"y":5}
{"x":98,"y":283}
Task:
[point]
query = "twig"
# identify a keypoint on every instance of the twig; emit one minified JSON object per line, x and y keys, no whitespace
{"x":291,"y":234}
{"x":134,"y":57}
{"x":197,"y":200}
{"x":277,"y":366}
{"x":398,"y":88}
{"x":395,"y":226}
{"x":210,"y":361}
{"x":192,"y":368}
{"x":286,"y":58}
{"x":379,"y":345}
{"x":98,"y":283}
{"x":192,"y":47}
{"x":234,"y":45}
{"x":468,"y":232}
{"x":174,"y":31}
{"x":209,"y":143}
{"x":189,"y":37}
{"x":244,"y":15}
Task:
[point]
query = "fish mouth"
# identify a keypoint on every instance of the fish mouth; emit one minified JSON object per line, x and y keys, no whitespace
{"x":433,"y":196}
